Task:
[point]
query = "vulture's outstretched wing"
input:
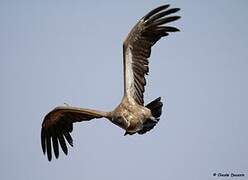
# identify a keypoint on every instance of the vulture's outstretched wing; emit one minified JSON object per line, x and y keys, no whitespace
{"x":137,"y":48}
{"x":57,"y":126}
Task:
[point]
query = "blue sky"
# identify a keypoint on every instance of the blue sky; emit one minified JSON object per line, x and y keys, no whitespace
{"x":55,"y":52}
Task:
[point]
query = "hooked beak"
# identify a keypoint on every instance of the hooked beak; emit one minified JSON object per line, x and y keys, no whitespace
{"x":126,"y":133}
{"x":129,"y":133}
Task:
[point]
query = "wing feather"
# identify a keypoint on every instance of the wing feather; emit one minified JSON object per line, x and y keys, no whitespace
{"x":137,"y":48}
{"x":58,"y":124}
{"x":55,"y":146}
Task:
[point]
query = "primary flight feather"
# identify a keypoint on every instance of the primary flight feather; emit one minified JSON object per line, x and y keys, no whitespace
{"x":131,"y":114}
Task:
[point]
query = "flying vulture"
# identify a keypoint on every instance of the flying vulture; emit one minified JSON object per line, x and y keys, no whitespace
{"x":131,"y":114}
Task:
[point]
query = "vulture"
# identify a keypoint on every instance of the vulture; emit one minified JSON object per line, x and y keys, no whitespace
{"x":131,"y":114}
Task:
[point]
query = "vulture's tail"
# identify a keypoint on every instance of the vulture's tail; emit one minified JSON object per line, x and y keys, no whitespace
{"x":156,"y":109}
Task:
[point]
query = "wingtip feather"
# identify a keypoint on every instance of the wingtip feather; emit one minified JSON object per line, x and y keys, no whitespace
{"x":156,"y":10}
{"x":43,"y":141}
{"x":49,"y":149}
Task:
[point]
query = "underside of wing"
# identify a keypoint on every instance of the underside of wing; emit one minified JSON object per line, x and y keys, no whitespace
{"x":137,"y":48}
{"x":58,"y":124}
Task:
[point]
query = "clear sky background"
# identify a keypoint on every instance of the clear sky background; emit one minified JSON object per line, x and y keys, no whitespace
{"x":53,"y":52}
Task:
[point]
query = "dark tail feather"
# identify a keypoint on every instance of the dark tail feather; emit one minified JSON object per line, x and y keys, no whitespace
{"x":156,"y":110}
{"x":155,"y":107}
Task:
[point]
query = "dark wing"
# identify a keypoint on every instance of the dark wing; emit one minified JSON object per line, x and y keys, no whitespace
{"x":137,"y":48}
{"x":57,"y":126}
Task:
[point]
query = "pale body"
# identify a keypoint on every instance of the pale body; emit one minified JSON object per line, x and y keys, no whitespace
{"x":130,"y":116}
